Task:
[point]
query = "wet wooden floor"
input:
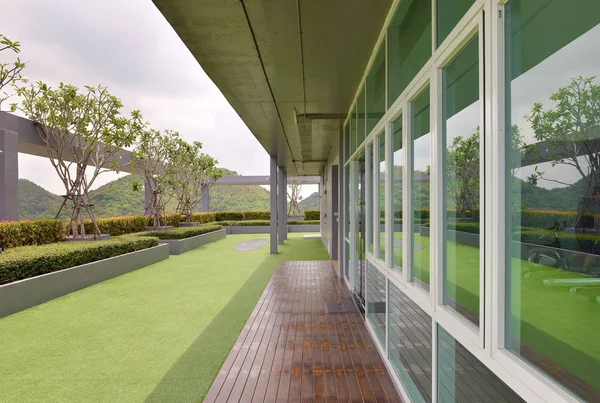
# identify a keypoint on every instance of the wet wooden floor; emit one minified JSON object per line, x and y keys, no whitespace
{"x":292,"y":351}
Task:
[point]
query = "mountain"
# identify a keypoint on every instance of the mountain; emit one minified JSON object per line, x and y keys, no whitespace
{"x":312,"y":202}
{"x":117,"y":198}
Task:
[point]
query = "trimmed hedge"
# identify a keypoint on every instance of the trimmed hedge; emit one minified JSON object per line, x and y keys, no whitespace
{"x":202,"y":218}
{"x":566,"y":240}
{"x":470,"y":227}
{"x":257,"y":215}
{"x":182,"y":233}
{"x":229,"y":216}
{"x":172,"y":220}
{"x":25,"y":233}
{"x":30,"y":261}
{"x":547,"y":218}
{"x":116,"y":226}
{"x":312,"y":215}
{"x":304,"y":222}
{"x":245,"y":223}
{"x":422,"y":213}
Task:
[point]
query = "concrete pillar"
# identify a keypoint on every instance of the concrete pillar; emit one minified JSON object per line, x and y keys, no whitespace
{"x":285,"y":205}
{"x":281,"y":213}
{"x":9,"y":175}
{"x":273,"y":205}
{"x":334,"y":219}
{"x":205,"y":201}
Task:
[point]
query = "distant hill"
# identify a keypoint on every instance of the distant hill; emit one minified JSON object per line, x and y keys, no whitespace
{"x":117,"y":198}
{"x":312,"y":202}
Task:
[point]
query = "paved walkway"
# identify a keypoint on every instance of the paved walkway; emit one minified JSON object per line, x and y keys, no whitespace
{"x":290,"y":350}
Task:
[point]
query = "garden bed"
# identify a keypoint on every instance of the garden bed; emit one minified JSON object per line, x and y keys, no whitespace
{"x":181,"y":240}
{"x":32,"y":275}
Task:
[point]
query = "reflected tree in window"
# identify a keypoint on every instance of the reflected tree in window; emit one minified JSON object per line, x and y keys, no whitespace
{"x":462,"y":163}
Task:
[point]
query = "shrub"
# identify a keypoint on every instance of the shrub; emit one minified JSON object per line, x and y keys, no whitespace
{"x":172,"y":220}
{"x":116,"y":226}
{"x":304,"y":222}
{"x":182,"y":233}
{"x":257,"y":215}
{"x":471,"y":227}
{"x":24,"y":233}
{"x":30,"y":261}
{"x":229,"y":216}
{"x":248,"y":223}
{"x":203,"y":218}
{"x":312,"y":215}
{"x":547,"y":218}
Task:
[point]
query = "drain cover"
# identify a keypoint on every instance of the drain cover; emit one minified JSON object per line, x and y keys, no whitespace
{"x":339,"y":307}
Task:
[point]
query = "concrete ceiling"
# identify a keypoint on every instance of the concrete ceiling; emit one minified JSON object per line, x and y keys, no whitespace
{"x":289,"y":68}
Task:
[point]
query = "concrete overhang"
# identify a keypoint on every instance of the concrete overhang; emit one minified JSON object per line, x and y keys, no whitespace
{"x":289,"y":68}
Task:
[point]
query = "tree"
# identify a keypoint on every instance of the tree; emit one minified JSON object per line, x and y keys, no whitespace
{"x":81,"y":130}
{"x":194,"y":173}
{"x":462,"y":172}
{"x":294,"y":198}
{"x":151,"y":158}
{"x":10,"y":72}
{"x":571,"y":136}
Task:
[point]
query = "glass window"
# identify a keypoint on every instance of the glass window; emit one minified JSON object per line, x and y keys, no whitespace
{"x":381,"y":189}
{"x":553,"y":189}
{"x":361,"y":121}
{"x":347,"y":260}
{"x":347,"y":200}
{"x":420,"y":193}
{"x":398,"y":163}
{"x":409,"y":44}
{"x":409,"y":344}
{"x":376,"y":301}
{"x":353,"y":130}
{"x":463,"y":378}
{"x":376,"y":89}
{"x":461,"y":153}
{"x":449,"y":13}
{"x":346,"y":142}
{"x":370,"y":162}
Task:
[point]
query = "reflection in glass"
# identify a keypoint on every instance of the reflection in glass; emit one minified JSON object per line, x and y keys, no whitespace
{"x":347,"y":186}
{"x":361,"y":121}
{"x":421,"y":158}
{"x":381,"y":188}
{"x":409,"y":44}
{"x":376,"y":90}
{"x":461,"y":170}
{"x":449,"y":14}
{"x":397,"y":163}
{"x":353,"y":130}
{"x":553,"y":189}
{"x":376,"y":301}
{"x":409,"y":344}
{"x":369,"y":196}
{"x":359,"y":286}
{"x":463,"y":378}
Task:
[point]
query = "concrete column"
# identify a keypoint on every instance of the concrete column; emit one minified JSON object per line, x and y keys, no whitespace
{"x":334,"y":219}
{"x":9,"y":175}
{"x":285,"y":205}
{"x":273,"y":205}
{"x":281,"y":213}
{"x":205,"y":201}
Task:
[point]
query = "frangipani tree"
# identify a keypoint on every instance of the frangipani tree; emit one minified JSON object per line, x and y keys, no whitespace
{"x":294,"y":198}
{"x":10,"y":72}
{"x":85,"y":134}
{"x":194,"y":173}
{"x":152,"y":158}
{"x":462,"y":172}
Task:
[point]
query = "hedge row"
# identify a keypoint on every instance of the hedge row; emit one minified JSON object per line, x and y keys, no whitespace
{"x":202,"y":218}
{"x":116,"y":226}
{"x":182,"y":233}
{"x":30,"y":261}
{"x":257,"y":215}
{"x":263,"y":223}
{"x":24,"y":233}
{"x":312,"y":215}
{"x":548,"y":218}
{"x":566,"y":240}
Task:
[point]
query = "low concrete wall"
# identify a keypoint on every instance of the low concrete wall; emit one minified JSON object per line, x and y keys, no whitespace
{"x":23,"y":294}
{"x":304,"y":228}
{"x":179,"y":246}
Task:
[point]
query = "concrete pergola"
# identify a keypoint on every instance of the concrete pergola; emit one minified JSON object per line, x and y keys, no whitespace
{"x":19,"y":135}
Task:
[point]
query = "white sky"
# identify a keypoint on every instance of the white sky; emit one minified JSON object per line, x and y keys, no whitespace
{"x":129,"y":47}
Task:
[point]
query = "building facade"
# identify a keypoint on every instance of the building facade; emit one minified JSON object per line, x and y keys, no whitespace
{"x":470,"y":199}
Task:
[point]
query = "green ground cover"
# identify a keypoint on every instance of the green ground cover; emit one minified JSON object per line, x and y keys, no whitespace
{"x":160,"y":333}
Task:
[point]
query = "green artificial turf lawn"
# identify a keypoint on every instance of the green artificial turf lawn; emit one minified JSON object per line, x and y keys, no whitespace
{"x":160,"y":333}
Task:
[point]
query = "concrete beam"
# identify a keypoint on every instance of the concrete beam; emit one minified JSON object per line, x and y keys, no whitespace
{"x":273,"y":205}
{"x":9,"y":175}
{"x":263,"y":180}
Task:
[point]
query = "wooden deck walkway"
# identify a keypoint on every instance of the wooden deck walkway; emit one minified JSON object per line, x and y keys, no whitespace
{"x":292,"y":351}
